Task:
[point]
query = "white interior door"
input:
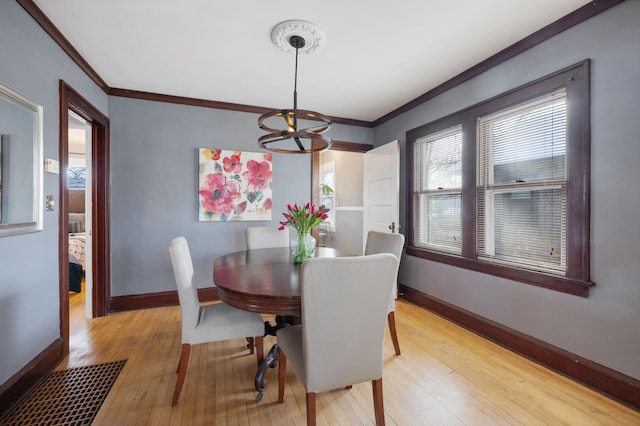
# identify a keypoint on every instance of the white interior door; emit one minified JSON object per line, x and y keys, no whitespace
{"x":381,"y":189}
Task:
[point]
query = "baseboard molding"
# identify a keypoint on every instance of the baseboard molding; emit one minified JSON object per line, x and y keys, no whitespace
{"x":19,"y":384}
{"x":156,"y":300}
{"x":607,"y":381}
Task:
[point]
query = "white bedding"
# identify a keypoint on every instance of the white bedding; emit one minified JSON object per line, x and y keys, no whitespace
{"x":77,"y":246}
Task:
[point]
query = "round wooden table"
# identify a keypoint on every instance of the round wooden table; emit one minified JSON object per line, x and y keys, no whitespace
{"x":264,"y":280}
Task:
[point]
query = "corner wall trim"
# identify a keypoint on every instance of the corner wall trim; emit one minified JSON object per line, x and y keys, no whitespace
{"x":17,"y":386}
{"x":618,"y":386}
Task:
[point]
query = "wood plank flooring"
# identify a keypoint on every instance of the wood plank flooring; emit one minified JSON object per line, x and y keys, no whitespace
{"x":446,"y":375}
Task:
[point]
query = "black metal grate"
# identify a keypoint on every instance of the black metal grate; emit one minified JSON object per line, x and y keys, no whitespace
{"x":66,"y":397}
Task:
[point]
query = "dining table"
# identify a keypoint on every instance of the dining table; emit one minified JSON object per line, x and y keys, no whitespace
{"x":266,"y":281}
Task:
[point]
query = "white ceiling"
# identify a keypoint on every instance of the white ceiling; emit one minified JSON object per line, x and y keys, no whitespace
{"x":377,"y":55}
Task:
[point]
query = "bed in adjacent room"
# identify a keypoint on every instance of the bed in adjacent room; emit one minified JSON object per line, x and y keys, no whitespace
{"x":77,"y":240}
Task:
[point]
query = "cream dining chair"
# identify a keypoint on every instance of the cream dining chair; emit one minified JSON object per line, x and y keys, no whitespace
{"x":208,"y":323}
{"x":384,"y":242}
{"x":340,"y":341}
{"x":259,"y":237}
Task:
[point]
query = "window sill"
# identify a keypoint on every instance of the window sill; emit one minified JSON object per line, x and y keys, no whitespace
{"x":562,"y":284}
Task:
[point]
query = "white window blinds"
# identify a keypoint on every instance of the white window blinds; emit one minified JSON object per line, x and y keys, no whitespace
{"x":522,"y":185}
{"x":438,"y":191}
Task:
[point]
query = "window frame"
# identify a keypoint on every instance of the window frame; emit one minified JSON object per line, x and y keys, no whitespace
{"x":576,"y":81}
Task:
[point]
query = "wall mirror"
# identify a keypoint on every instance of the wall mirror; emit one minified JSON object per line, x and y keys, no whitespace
{"x":20,"y":163}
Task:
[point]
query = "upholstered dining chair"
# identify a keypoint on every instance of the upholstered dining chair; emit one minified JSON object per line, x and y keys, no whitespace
{"x":208,"y":323}
{"x":384,"y":242}
{"x":341,"y":338}
{"x":259,"y":237}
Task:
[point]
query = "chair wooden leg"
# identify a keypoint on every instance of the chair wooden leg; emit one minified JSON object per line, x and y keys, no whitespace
{"x":182,"y":371}
{"x":282,"y":373}
{"x":250,"y":344}
{"x":378,"y":404}
{"x":259,"y":349}
{"x":179,"y":363}
{"x":311,"y":409}
{"x":392,"y":328}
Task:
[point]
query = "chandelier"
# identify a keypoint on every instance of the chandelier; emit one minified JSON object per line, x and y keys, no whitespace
{"x":301,"y":130}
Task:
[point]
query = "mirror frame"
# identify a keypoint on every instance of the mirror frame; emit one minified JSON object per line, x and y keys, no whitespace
{"x":34,"y":225}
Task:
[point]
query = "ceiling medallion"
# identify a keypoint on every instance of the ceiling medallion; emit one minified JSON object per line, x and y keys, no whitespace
{"x":295,"y":138}
{"x":312,"y":36}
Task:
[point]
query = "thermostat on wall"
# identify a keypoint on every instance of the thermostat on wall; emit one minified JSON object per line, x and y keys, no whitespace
{"x":51,"y":166}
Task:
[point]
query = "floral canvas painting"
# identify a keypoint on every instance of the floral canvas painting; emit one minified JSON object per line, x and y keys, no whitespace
{"x":234,"y":185}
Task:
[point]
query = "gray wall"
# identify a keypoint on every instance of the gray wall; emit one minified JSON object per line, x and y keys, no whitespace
{"x":32,"y":64}
{"x":604,"y":327}
{"x":154,"y":187}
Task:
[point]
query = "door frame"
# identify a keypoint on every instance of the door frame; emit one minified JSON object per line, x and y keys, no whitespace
{"x":315,"y":170}
{"x":70,"y":100}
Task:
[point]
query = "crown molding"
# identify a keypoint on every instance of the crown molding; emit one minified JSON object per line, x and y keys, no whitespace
{"x":182,"y":100}
{"x":38,"y":15}
{"x":574,"y":18}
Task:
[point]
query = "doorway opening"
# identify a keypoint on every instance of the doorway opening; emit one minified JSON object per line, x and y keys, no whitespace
{"x":341,"y":191}
{"x":97,"y":254}
{"x":79,"y":213}
{"x":340,"y":168}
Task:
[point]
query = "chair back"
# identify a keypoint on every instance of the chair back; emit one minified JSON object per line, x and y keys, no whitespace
{"x":344,"y":311}
{"x":259,"y":237}
{"x":384,"y":242}
{"x":187,"y":291}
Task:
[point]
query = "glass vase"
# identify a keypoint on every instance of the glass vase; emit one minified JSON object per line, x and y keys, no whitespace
{"x":303,"y":246}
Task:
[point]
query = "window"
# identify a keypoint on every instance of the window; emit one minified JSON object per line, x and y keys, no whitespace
{"x":77,"y":177}
{"x":522,"y":187}
{"x":503,"y":187}
{"x":438,"y":178}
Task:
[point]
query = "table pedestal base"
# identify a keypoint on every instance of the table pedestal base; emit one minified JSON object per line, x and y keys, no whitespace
{"x":272,"y":358}
{"x":270,"y":361}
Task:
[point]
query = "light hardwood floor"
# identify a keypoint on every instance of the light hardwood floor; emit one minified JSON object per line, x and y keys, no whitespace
{"x":446,"y":375}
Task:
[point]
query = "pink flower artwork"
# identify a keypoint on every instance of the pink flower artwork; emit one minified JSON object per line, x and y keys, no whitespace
{"x":234,"y":185}
{"x":258,"y":174}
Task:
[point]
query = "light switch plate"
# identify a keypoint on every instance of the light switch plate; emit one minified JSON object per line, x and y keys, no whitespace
{"x":51,"y":166}
{"x":49,"y":203}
